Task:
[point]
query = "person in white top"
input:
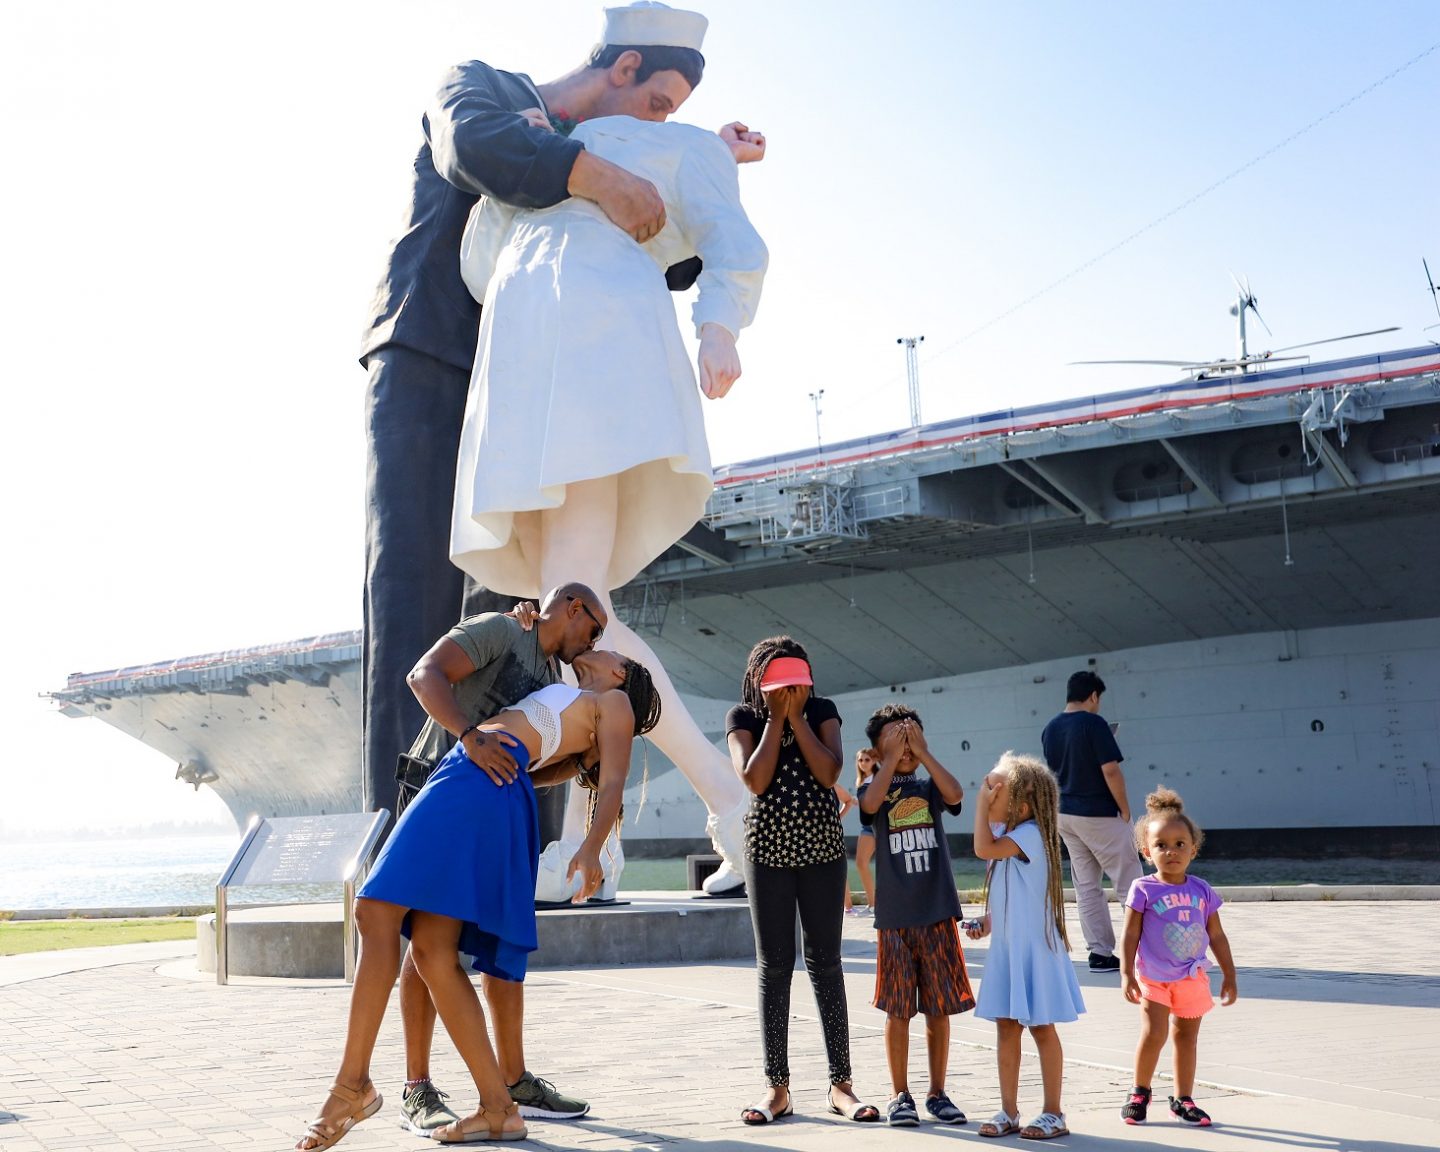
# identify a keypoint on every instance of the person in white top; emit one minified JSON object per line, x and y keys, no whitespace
{"x":583,"y":450}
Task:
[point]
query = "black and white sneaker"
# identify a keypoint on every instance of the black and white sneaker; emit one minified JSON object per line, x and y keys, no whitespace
{"x":943,"y":1109}
{"x":900,"y":1112}
{"x":1101,"y":963}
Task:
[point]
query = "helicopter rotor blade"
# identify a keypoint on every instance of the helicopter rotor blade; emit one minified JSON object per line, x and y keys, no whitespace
{"x":1248,"y":362}
{"x":1335,"y":339}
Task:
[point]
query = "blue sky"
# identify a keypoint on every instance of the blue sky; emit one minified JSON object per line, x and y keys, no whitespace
{"x":200,"y":197}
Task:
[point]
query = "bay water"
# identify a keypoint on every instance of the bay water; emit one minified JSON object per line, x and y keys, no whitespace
{"x":143,"y":872}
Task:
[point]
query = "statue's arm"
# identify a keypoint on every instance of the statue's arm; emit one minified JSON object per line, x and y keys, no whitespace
{"x":714,"y":221}
{"x":485,"y":147}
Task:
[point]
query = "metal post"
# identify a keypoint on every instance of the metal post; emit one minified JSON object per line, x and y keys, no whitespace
{"x":912,"y":374}
{"x":1240,"y":315}
{"x":222,"y":918}
{"x":350,"y":942}
{"x":815,"y":399}
{"x":222,"y":966}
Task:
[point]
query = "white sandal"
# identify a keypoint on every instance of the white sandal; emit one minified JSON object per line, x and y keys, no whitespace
{"x":1001,"y":1124}
{"x":1047,"y":1125}
{"x":769,"y":1116}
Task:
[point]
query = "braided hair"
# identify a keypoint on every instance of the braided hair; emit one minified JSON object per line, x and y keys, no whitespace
{"x":1032,"y":785}
{"x":760,"y":657}
{"x":639,"y":687}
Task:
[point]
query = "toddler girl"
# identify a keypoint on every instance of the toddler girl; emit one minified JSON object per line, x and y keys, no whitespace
{"x":1171,"y":919}
{"x":1029,"y":981}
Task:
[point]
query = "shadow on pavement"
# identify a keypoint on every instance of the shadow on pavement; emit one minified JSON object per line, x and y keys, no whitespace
{"x":1285,"y":1138}
{"x":1394,"y":989}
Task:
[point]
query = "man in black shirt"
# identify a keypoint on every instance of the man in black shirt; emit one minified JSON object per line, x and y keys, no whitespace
{"x":1094,"y":811}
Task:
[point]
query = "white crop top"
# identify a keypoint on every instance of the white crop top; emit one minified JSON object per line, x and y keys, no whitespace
{"x":542,"y":709}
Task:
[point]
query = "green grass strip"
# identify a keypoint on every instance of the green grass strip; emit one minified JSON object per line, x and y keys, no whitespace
{"x":21,"y":936}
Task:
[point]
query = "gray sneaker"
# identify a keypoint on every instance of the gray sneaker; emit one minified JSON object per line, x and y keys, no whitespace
{"x":540,"y":1100}
{"x":422,"y":1109}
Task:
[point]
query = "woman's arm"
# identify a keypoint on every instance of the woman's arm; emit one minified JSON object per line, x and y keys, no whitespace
{"x":614,"y":733}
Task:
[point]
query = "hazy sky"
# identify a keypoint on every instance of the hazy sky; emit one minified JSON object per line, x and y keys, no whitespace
{"x":198,"y":200}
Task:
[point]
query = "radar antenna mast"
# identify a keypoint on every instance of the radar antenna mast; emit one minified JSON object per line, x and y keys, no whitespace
{"x":912,"y":374}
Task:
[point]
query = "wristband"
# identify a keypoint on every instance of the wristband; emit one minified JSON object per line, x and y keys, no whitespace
{"x":461,"y":738}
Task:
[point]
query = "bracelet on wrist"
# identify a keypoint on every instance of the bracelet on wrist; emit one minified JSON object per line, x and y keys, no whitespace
{"x":461,"y":738}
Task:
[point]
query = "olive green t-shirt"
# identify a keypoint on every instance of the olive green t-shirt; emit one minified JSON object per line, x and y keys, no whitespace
{"x":509,"y":665}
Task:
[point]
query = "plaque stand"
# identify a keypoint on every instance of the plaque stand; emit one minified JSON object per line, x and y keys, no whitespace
{"x":299,"y":850}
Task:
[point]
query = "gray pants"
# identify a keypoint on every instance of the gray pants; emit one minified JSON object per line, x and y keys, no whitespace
{"x":1099,"y":844}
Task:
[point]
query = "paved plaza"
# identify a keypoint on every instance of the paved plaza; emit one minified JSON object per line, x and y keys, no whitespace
{"x":1334,"y":1045}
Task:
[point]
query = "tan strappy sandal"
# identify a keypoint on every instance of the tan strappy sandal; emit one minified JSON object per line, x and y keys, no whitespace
{"x":328,"y":1133}
{"x":493,"y":1129}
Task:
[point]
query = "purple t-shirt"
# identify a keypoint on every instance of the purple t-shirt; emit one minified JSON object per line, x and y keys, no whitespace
{"x":1173,"y":937}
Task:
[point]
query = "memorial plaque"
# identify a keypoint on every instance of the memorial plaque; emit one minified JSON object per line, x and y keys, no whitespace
{"x":299,"y":850}
{"x":305,"y":849}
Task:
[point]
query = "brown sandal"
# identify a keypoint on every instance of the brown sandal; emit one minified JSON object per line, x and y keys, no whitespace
{"x":492,"y":1130}
{"x":328,"y":1133}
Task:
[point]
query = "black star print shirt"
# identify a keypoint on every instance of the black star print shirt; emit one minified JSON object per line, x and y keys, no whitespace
{"x":795,"y":821}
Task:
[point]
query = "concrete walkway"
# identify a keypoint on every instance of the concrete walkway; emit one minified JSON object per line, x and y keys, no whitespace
{"x":1334,"y":1045}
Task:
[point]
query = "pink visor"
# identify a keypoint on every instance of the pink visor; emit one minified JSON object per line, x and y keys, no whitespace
{"x":784,"y":672}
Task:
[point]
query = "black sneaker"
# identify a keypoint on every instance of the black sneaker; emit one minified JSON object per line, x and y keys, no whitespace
{"x":1099,"y":963}
{"x":900,"y":1113}
{"x":1184,"y":1107}
{"x":1137,"y":1106}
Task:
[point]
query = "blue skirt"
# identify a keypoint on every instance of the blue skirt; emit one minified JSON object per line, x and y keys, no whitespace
{"x":469,"y":849}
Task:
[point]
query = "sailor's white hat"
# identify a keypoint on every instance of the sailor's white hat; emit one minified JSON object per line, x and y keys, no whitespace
{"x":648,"y":22}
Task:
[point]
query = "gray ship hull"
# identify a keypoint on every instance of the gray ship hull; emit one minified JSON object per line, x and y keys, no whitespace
{"x":1249,"y":563}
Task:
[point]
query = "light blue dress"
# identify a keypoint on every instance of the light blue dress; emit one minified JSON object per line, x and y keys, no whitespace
{"x":1027,"y":978}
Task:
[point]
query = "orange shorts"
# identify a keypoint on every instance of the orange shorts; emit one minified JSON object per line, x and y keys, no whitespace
{"x":1189,"y":998}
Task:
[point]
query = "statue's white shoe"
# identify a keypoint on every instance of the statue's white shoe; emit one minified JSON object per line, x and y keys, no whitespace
{"x":551,"y":886}
{"x":724,"y":879}
{"x":727,"y":834}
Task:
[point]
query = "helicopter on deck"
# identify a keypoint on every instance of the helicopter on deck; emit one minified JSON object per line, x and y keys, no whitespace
{"x":1245,"y":360}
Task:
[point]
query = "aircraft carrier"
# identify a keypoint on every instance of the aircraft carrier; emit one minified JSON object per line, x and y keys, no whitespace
{"x":1250,"y":559}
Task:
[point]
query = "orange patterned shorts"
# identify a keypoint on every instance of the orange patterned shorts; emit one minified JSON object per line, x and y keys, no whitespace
{"x":922,"y":969}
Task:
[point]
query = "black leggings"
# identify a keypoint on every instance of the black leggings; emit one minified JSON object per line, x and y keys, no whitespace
{"x":818,"y":892}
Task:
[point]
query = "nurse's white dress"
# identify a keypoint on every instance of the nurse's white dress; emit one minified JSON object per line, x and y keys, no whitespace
{"x":581,"y":370}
